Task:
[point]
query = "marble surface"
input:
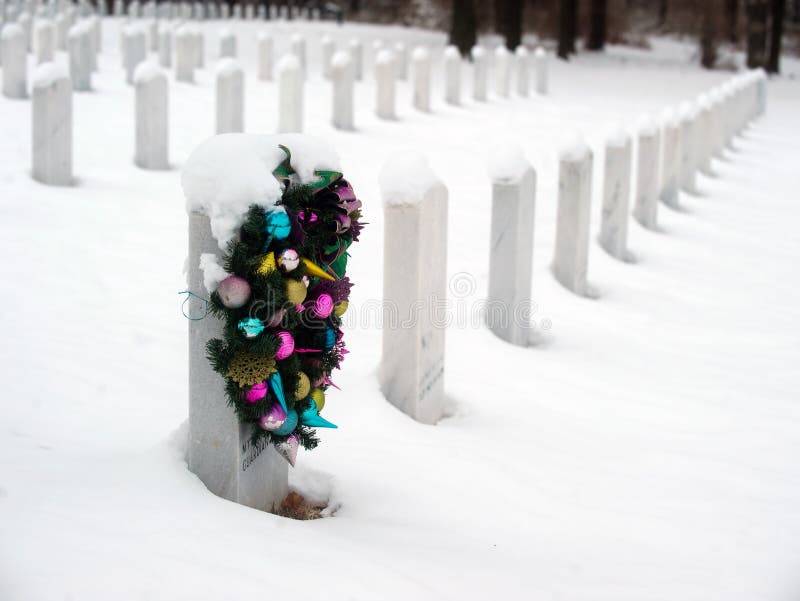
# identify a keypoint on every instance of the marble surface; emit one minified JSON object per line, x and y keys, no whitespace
{"x":52,"y":130}
{"x":13,"y":47}
{"x":219,"y":451}
{"x":230,"y":97}
{"x":291,"y":104}
{"x":327,"y":48}
{"x":415,"y":253}
{"x":452,"y":76}
{"x":613,"y":237}
{"x":385,"y":84}
{"x":80,"y":48}
{"x":523,"y":69}
{"x":511,"y":257}
{"x":645,"y":209}
{"x":165,"y":46}
{"x":264,"y":44}
{"x":670,"y":164}
{"x":227,"y":45}
{"x":44,"y":36}
{"x":184,"y":55}
{"x":571,"y":259}
{"x":343,"y":84}
{"x":480,"y":74}
{"x":152,"y":121}
{"x":356,"y":49}
{"x":421,"y":80}
{"x":688,"y":161}
{"x":135,"y":43}
{"x":540,"y":65}
{"x":502,"y":71}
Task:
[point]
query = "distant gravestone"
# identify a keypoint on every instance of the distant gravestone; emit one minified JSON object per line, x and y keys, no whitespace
{"x":264,"y":45}
{"x":343,"y":82}
{"x":327,"y":48}
{"x":357,"y":54}
{"x":452,"y":75}
{"x":421,"y":74}
{"x":225,"y":11}
{"x":165,"y":45}
{"x":13,"y":47}
{"x":152,"y":116}
{"x":185,"y":61}
{"x":523,"y":71}
{"x":689,"y":144}
{"x":290,"y":94}
{"x":571,"y":260}
{"x":52,"y":125}
{"x":227,"y":44}
{"x":511,"y":249}
{"x":24,"y":21}
{"x":670,"y":159}
{"x":44,"y":38}
{"x":415,"y":254}
{"x":502,"y":69}
{"x":647,"y":161}
{"x":80,"y":48}
{"x":702,"y":135}
{"x":540,"y":63}
{"x":62,"y":30}
{"x":230,"y":96}
{"x":401,"y":56}
{"x":135,"y":49}
{"x":199,"y":45}
{"x":385,"y":84}
{"x":613,"y":236}
{"x":298,"y":46}
{"x":151,"y":29}
{"x":480,"y":74}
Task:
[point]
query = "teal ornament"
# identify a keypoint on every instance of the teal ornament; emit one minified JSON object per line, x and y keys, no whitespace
{"x":330,"y":338}
{"x":311,"y":417}
{"x":289,"y":425}
{"x":278,"y":225}
{"x":250,"y":327}
{"x":277,"y":389}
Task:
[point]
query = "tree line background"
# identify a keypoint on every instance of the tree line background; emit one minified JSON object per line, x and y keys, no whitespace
{"x":761,"y":28}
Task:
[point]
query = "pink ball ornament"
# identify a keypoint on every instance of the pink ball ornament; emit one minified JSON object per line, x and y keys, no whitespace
{"x":286,"y":347}
{"x":234,"y":292}
{"x":323,"y":306}
{"x":256,"y":392}
{"x":273,"y":419}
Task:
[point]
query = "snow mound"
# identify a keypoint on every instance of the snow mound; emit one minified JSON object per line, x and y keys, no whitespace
{"x":617,"y":136}
{"x":147,"y":71}
{"x":47,"y":73}
{"x":213,"y":273}
{"x":229,"y":172}
{"x":573,"y":148}
{"x":507,"y":162}
{"x":340,"y":60}
{"x":405,"y":177}
{"x":228,"y":65}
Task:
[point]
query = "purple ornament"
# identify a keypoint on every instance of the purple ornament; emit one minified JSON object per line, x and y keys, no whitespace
{"x":234,"y":292}
{"x":256,"y":392}
{"x":286,"y":347}
{"x":323,"y":305}
{"x":273,"y":419}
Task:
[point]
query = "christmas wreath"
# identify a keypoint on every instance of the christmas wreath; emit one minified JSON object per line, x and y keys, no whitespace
{"x":282,"y":306}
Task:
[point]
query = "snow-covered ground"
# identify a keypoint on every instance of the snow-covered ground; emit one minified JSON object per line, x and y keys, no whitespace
{"x":647,"y":449}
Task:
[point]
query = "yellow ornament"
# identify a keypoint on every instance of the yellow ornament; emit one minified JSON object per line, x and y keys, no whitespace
{"x":267,"y":264}
{"x":340,"y":308}
{"x":295,"y":291}
{"x":303,"y":386}
{"x":315,"y":270}
{"x":318,"y":396}
{"x":247,"y":369}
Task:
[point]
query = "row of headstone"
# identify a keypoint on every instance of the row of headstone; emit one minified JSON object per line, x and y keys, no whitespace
{"x":415,"y":221}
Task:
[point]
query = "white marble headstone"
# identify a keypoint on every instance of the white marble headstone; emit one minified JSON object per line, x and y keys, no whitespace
{"x":264,"y":44}
{"x":452,"y":75}
{"x":616,"y":196}
{"x":385,"y":66}
{"x":414,"y":285}
{"x":647,"y":167}
{"x":480,"y":72}
{"x":230,"y":96}
{"x":52,"y":125}
{"x":421,"y":79}
{"x":290,"y":94}
{"x":342,"y":82}
{"x":152,"y":116}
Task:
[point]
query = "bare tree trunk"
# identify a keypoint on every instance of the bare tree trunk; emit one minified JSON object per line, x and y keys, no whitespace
{"x":708,"y":34}
{"x":776,"y":36}
{"x":663,"y":7}
{"x":597,"y":25}
{"x":756,"y":33}
{"x":732,"y":14}
{"x":463,"y":27}
{"x":508,"y":14}
{"x":567,"y":25}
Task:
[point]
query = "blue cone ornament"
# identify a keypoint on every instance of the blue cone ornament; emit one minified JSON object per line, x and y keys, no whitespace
{"x":277,"y":389}
{"x":311,"y":417}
